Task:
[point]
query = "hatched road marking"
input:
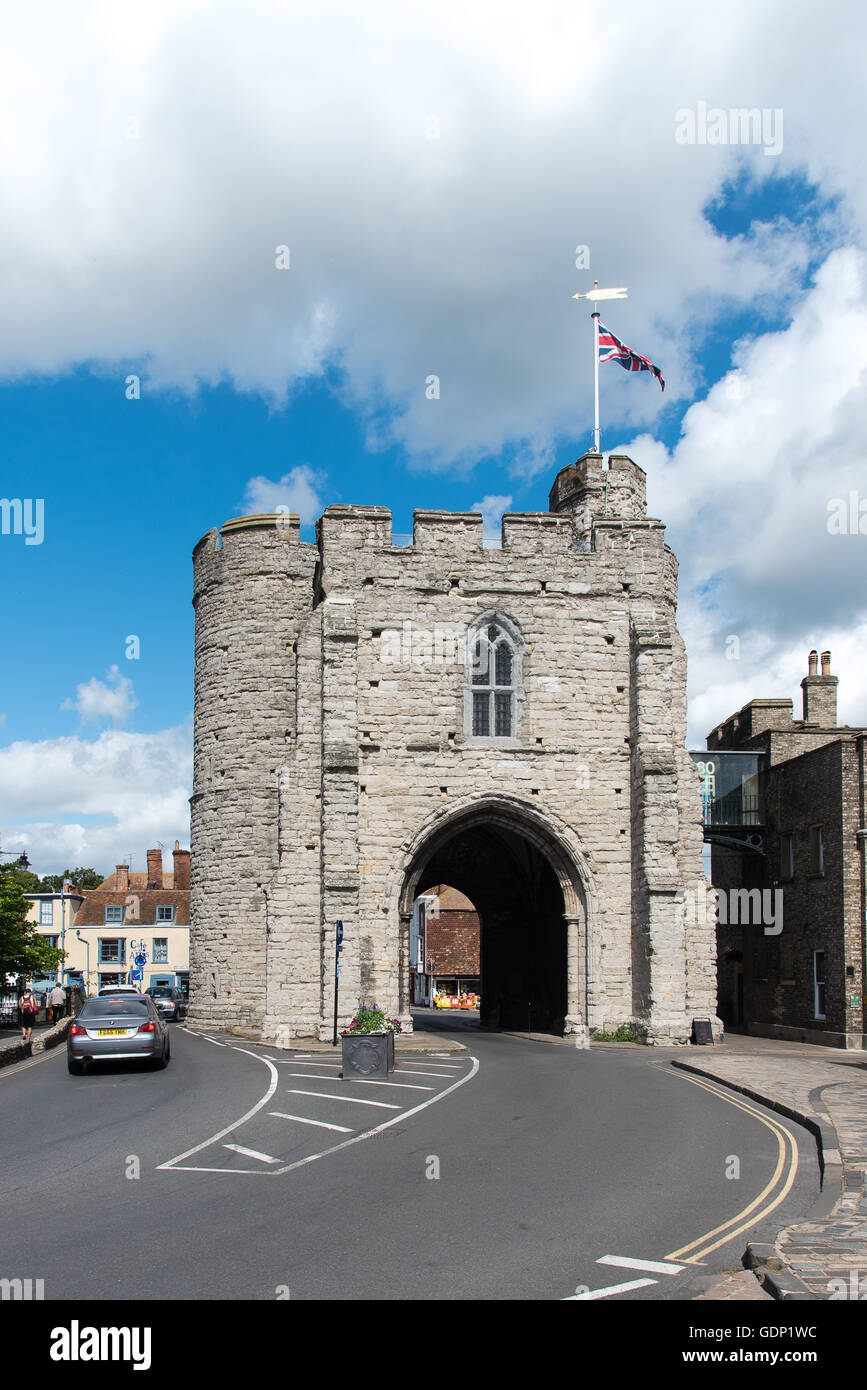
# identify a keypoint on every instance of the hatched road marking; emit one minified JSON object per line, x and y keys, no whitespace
{"x":251,"y":1153}
{"x":350,"y":1100}
{"x":180,"y":1162}
{"x":302,"y":1120}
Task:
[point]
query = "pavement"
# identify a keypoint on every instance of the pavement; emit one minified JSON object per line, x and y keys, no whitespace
{"x":14,"y":1049}
{"x":825,"y":1090}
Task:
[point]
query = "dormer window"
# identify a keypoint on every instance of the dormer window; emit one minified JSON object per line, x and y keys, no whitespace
{"x":493,"y":680}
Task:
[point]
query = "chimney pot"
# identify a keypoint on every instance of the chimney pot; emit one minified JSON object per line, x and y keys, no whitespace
{"x":155,"y":868}
{"x":826,"y":663}
{"x":813,"y":667}
{"x":181,"y":860}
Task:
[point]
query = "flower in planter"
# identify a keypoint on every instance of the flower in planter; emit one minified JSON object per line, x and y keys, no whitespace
{"x":371,"y":1019}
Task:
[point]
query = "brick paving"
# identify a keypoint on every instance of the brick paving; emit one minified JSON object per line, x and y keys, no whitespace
{"x":739,"y":1285}
{"x":828,"y":1088}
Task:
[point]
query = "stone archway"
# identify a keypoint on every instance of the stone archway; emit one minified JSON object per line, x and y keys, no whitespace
{"x":532,"y":887}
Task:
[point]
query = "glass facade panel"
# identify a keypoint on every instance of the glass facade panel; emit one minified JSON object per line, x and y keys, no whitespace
{"x":730,"y":787}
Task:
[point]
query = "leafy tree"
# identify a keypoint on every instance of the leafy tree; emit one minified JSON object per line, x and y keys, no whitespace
{"x":23,"y":951}
{"x":28,"y":882}
{"x":82,"y":878}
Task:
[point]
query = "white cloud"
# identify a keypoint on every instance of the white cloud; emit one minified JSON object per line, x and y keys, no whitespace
{"x":96,"y":701}
{"x":492,"y":508}
{"x":71,"y":801}
{"x":295,"y":490}
{"x":306,"y":125}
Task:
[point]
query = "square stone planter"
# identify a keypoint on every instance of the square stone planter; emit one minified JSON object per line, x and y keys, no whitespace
{"x":367,"y":1054}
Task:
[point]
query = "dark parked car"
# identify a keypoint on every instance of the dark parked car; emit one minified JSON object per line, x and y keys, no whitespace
{"x":123,"y":1027}
{"x":172,"y":1003}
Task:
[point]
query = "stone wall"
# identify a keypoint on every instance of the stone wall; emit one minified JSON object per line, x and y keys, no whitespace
{"x":331,"y":738}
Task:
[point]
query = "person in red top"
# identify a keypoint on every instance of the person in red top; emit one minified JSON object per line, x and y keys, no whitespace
{"x":27,"y":1010}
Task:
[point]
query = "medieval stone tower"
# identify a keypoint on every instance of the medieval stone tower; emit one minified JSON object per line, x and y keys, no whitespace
{"x":371,"y":719}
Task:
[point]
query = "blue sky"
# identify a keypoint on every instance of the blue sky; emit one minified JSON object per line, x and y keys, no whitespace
{"x":147,"y":212}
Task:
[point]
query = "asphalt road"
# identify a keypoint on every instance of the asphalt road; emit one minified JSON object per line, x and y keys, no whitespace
{"x":550,"y":1160}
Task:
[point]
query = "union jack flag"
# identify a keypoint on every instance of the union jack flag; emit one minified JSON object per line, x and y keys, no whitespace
{"x":612,"y":350}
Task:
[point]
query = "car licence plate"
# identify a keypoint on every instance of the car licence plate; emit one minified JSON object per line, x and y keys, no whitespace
{"x":110,"y":1032}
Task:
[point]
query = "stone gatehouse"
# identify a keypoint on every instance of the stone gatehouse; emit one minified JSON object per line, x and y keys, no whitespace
{"x":372,"y":718}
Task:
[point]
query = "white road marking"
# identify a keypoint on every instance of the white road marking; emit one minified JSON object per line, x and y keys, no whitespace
{"x":351,"y":1100}
{"x":415,"y":1072}
{"x":236,"y":1124}
{"x":312,"y":1075}
{"x":612,"y":1289}
{"x":344,"y":1129}
{"x":294,"y":1061}
{"x":443,"y":1066}
{"x":251,"y":1153}
{"x":403,"y":1085}
{"x":325,"y":1153}
{"x":647,"y":1266}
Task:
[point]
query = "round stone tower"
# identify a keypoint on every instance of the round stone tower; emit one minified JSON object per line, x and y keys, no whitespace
{"x":252,"y":586}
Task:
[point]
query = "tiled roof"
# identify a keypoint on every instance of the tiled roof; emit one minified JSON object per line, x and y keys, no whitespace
{"x":92,"y":911}
{"x":137,"y":883}
{"x":450,"y":900}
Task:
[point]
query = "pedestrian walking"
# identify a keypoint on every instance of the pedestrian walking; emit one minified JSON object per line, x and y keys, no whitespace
{"x":58,"y":1002}
{"x":27,"y":1010}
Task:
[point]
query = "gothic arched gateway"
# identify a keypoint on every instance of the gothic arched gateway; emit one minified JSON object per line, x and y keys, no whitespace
{"x":529,"y":889}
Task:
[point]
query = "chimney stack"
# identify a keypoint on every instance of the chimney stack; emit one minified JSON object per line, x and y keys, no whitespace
{"x":122,"y":875}
{"x":820,"y":692}
{"x":181,"y":858}
{"x":155,"y":868}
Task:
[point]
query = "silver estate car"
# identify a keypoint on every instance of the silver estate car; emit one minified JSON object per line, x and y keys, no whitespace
{"x":123,"y":1027}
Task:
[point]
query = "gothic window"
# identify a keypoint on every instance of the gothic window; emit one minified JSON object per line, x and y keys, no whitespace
{"x":493,"y":681}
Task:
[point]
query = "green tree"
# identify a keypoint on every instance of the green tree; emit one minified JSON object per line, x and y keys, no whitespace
{"x":23,"y":951}
{"x":82,"y":878}
{"x":28,"y":882}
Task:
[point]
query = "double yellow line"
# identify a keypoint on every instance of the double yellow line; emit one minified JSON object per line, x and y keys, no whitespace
{"x":770,"y":1197}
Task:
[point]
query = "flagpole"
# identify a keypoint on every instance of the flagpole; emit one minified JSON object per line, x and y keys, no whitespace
{"x":596,"y":294}
{"x":597,"y":440}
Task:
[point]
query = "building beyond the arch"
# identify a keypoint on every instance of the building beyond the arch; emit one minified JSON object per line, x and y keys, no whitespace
{"x":371,"y":718}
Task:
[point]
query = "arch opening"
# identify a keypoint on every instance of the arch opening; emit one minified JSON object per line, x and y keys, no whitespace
{"x":526,"y":894}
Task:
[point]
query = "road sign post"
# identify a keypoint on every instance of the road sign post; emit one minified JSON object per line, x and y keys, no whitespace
{"x":339,"y":948}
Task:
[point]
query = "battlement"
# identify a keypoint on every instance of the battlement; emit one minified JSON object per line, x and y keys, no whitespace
{"x":586,"y":495}
{"x":587,"y":490}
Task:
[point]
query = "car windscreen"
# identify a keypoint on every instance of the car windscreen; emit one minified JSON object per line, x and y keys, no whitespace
{"x":160,"y":993}
{"x":128,"y":1004}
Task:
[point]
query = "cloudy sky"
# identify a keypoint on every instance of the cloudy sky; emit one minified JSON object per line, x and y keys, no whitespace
{"x":237,"y":241}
